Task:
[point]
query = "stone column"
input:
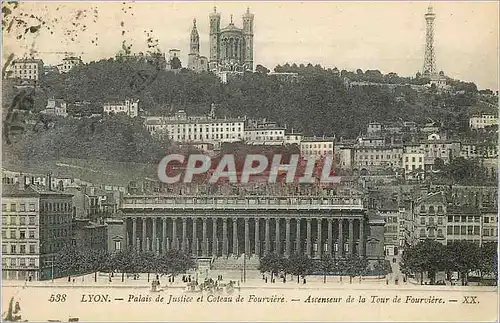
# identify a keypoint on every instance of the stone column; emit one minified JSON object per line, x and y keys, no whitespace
{"x":277,"y":241}
{"x":320,"y":241}
{"x":153,"y":238}
{"x":214,"y":237}
{"x":287,"y":237}
{"x":126,"y":238}
{"x":247,"y":238}
{"x":144,"y":247}
{"x":204,"y":245}
{"x":184,"y":234}
{"x":268,"y":239}
{"x":308,"y":242}
{"x":164,"y":234}
{"x":174,"y":233}
{"x":134,"y":233}
{"x":297,"y":237}
{"x":341,"y":238}
{"x":257,"y":237}
{"x":351,"y":237}
{"x":194,"y":242}
{"x":224,"y":237}
{"x":235,"y":237}
{"x":362,"y":237}
{"x":330,"y":238}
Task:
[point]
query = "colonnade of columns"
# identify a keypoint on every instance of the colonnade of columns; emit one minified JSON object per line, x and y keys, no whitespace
{"x":314,"y":236}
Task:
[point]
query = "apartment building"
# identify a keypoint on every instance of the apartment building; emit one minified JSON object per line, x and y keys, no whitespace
{"x":36,"y":225}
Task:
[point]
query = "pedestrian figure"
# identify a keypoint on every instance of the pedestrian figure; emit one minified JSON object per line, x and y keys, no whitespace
{"x":266,"y":280}
{"x":69,"y":279}
{"x":30,"y":278}
{"x":387,"y":281}
{"x":73,"y":280}
{"x":304,"y":280}
{"x":189,"y":279}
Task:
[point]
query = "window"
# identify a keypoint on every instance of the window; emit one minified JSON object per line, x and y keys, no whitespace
{"x":31,"y":234}
{"x":13,"y":234}
{"x":422,"y":232}
{"x":13,"y":220}
{"x":13,"y":208}
{"x":118,"y":245}
{"x":32,"y":220}
{"x":32,"y":207}
{"x":32,"y":248}
{"x":13,"y":262}
{"x":486,"y":219}
{"x":440,"y":220}
{"x":13,"y":249}
{"x":22,"y":207}
{"x":4,"y":207}
{"x":422,"y":221}
{"x":22,"y":234}
{"x":22,"y":249}
{"x":32,"y":262}
{"x":449,"y":230}
{"x":22,"y":220}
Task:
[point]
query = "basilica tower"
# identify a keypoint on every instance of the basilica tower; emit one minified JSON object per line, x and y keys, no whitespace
{"x":214,"y":38}
{"x":194,"y":47}
{"x":248,"y":36}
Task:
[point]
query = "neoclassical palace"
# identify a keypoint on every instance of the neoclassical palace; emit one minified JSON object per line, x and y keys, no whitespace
{"x":224,"y":226}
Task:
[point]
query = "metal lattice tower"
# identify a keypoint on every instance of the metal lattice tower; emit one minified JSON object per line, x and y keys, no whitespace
{"x":430,"y":55}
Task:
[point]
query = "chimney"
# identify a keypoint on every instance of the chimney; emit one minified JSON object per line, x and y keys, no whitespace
{"x":49,"y":180}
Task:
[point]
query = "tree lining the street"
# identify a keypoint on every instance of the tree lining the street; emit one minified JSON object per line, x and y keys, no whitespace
{"x":429,"y":256}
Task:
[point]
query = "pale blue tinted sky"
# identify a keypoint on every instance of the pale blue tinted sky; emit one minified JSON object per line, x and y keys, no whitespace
{"x":369,"y":35}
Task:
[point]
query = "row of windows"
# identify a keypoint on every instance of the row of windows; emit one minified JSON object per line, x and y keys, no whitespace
{"x":413,"y":159}
{"x":22,"y":207}
{"x":431,"y":221}
{"x":200,"y":137}
{"x":463,"y":230}
{"x":22,"y":234}
{"x":464,"y":218}
{"x":56,"y":207}
{"x":268,"y":132}
{"x":377,"y":157}
{"x":21,"y":250}
{"x":12,"y":220}
{"x":21,"y":262}
{"x":317,"y":145}
{"x":431,"y":209}
{"x":431,"y":233}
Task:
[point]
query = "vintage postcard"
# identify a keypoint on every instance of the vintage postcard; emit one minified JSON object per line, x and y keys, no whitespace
{"x":264,"y":161}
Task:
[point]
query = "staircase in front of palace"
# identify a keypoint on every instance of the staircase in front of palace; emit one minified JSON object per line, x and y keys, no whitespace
{"x":235,"y":263}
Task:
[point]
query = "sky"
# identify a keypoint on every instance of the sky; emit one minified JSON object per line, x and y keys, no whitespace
{"x":389,"y":36}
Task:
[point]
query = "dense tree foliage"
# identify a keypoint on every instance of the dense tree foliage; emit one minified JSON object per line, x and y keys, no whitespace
{"x":114,"y":137}
{"x":460,"y":256}
{"x":71,"y":261}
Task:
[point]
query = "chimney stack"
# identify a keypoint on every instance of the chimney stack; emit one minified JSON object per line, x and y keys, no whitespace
{"x":49,"y":180}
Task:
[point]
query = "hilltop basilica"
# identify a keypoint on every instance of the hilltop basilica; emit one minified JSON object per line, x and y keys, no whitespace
{"x":231,"y":48}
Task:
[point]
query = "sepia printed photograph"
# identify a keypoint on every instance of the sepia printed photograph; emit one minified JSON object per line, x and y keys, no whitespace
{"x":255,"y":161}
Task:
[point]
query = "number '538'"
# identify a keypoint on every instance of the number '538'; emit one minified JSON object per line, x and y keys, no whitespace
{"x":57,"y":298}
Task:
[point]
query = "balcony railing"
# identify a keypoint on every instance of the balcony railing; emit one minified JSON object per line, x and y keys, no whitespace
{"x":234,"y":203}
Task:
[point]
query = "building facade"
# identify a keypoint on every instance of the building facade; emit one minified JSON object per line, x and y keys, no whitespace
{"x":68,"y":63}
{"x":26,"y":69}
{"x":56,"y":107}
{"x":129,"y":107}
{"x":231,"y":48}
{"x":317,"y":146}
{"x":224,"y":226}
{"x":184,"y":129}
{"x":482,"y":121}
{"x":36,"y":225}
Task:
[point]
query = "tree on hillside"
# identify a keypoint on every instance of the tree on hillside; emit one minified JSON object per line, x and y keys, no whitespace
{"x":328,"y":265}
{"x":487,"y":256}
